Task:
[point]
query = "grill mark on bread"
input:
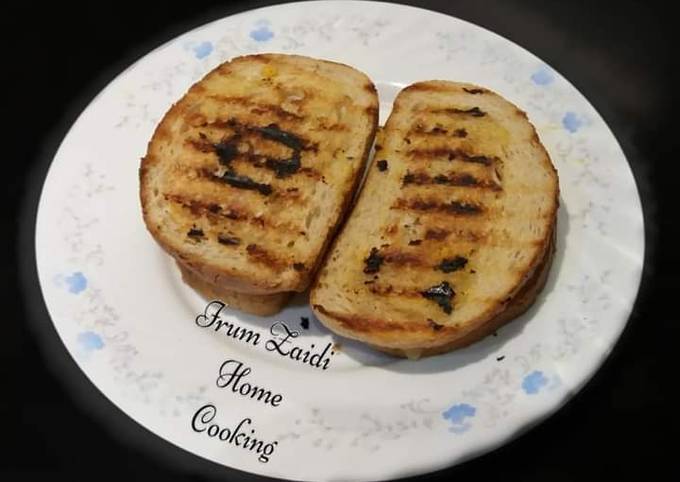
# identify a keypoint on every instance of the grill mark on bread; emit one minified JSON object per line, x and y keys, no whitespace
{"x":322,"y":126}
{"x":282,"y":167}
{"x":215,"y":211}
{"x":289,"y":194}
{"x":420,"y":178}
{"x":201,"y":145}
{"x":290,"y":117}
{"x":271,"y":131}
{"x":441,"y":234}
{"x":457,"y":208}
{"x":241,"y":181}
{"x":437,"y":131}
{"x":228,"y":240}
{"x":288,"y":139}
{"x":401,"y":258}
{"x":436,"y":234}
{"x":427,"y":87}
{"x":472,"y":111}
{"x":261,"y":255}
{"x":384,"y":289}
{"x":451,"y":154}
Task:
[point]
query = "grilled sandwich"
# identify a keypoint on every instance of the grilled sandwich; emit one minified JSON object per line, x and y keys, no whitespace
{"x":247,"y":177}
{"x":452,"y":233}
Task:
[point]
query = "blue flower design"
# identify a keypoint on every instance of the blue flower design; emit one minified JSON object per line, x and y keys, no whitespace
{"x":76,"y":282}
{"x":203,"y":49}
{"x":90,"y":341}
{"x":262,"y":33}
{"x":533,"y":382}
{"x":571,"y":122}
{"x":543,"y":76}
{"x":457,"y":415}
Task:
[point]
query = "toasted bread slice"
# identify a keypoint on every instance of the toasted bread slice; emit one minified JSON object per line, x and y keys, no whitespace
{"x":452,"y":232}
{"x":248,"y":175}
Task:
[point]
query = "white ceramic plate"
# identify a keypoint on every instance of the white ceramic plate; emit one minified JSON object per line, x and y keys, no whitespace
{"x":121,"y":310}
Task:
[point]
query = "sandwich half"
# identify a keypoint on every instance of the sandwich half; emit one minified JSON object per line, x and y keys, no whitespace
{"x":452,"y":234}
{"x":248,"y":175}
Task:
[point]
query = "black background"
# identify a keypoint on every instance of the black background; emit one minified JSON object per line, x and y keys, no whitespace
{"x":56,"y":57}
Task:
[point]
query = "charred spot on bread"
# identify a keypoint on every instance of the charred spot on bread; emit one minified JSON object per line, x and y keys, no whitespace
{"x":442,"y":294}
{"x":285,"y":167}
{"x":449,"y":265}
{"x":373,"y":261}
{"x":299,"y":266}
{"x":226,"y":151}
{"x":382,"y":165}
{"x":460,"y":133}
{"x":415,"y":242}
{"x":474,"y":91}
{"x":195,"y":233}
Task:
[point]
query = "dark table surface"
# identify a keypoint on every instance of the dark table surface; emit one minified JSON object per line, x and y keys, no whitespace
{"x":620,"y":55}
